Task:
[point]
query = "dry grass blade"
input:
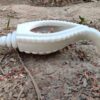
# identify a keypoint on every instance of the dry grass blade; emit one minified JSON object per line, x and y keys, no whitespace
{"x":32,"y":79}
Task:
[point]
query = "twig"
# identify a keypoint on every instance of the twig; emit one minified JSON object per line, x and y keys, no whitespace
{"x":32,"y":79}
{"x":2,"y":71}
{"x":15,"y":85}
{"x":22,"y":89}
{"x":0,"y":63}
{"x":8,"y":24}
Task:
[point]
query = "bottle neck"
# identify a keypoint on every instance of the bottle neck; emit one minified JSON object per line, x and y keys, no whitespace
{"x":9,"y":40}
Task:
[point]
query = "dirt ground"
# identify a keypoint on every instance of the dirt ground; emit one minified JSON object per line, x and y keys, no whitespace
{"x":72,"y":73}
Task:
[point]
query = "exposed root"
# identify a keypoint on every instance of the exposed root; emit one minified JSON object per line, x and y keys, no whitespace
{"x":32,"y":79}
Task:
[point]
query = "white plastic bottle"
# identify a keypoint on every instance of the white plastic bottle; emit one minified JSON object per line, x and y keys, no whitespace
{"x":43,"y":43}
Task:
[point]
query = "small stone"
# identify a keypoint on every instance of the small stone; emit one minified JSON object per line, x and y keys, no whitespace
{"x":84,"y":82}
{"x":12,"y":60}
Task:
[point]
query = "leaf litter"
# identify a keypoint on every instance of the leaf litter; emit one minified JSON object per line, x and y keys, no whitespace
{"x":70,"y":80}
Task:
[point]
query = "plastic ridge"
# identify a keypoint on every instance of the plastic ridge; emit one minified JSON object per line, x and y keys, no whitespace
{"x":37,"y":43}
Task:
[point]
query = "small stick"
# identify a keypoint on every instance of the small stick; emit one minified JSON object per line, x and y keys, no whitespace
{"x":0,"y":63}
{"x":2,"y":71}
{"x":22,"y":89}
{"x":32,"y":79}
{"x":15,"y":85}
{"x":8,"y":24}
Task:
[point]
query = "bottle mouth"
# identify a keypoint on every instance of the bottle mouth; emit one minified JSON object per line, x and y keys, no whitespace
{"x":49,"y":29}
{"x":45,"y":28}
